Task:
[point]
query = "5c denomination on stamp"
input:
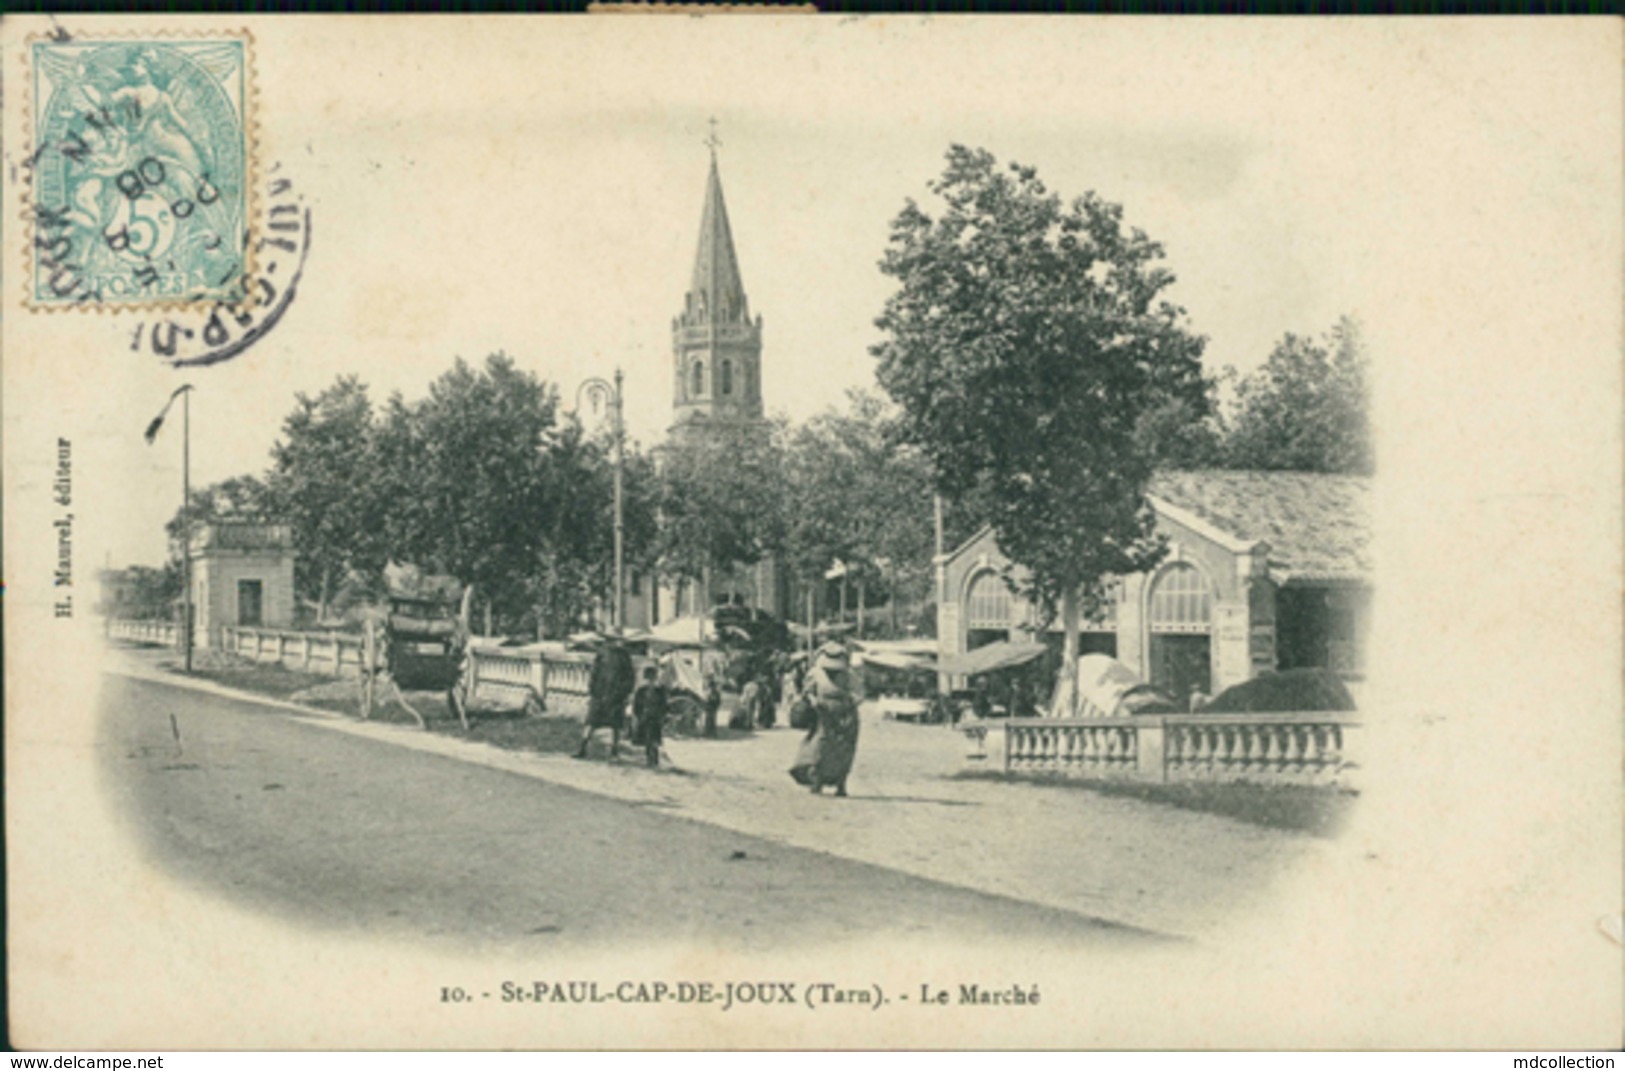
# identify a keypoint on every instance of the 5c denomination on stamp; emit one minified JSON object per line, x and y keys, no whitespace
{"x":141,"y":171}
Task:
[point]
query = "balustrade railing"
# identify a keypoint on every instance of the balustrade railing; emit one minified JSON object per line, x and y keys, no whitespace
{"x":503,"y":676}
{"x":498,"y":676}
{"x":1305,"y":748}
{"x":162,"y":633}
{"x":511,"y":676}
{"x":1293,"y":748}
{"x":334,"y":654}
{"x":1092,"y":747}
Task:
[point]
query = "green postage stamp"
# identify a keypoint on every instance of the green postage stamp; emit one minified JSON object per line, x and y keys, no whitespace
{"x":141,"y":168}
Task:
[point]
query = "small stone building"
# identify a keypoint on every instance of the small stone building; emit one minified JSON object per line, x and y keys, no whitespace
{"x":242,"y":574}
{"x":1265,"y":571}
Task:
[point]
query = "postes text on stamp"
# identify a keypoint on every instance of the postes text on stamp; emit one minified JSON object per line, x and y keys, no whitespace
{"x":141,"y":171}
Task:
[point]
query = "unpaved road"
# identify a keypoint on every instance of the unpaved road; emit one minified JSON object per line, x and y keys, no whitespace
{"x":345,"y":832}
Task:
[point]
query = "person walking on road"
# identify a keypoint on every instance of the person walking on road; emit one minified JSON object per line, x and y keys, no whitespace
{"x":772,"y":691}
{"x":750,"y":700}
{"x":826,"y":754}
{"x":608,"y":689}
{"x":649,"y":716}
{"x":713,"y":701}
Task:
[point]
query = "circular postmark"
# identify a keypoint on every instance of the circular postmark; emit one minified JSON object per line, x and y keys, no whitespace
{"x":199,"y":335}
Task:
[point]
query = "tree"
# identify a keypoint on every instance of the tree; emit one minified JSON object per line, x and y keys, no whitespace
{"x":321,"y":481}
{"x":237,"y":498}
{"x":1306,"y":408}
{"x":1024,"y":345}
{"x":722,"y":499}
{"x":861,"y":497}
{"x":1179,"y":435}
{"x":578,"y":566}
{"x":148,"y":593}
{"x":471,"y":481}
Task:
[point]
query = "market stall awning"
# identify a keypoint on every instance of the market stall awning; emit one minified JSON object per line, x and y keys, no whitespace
{"x":898,"y":660}
{"x":921,"y":648}
{"x":684,"y":632}
{"x":594,"y":637}
{"x":994,"y":656}
{"x":827,"y":628}
{"x":695,"y":632}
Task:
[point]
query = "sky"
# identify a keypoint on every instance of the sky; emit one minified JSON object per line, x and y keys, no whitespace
{"x":537,"y":189}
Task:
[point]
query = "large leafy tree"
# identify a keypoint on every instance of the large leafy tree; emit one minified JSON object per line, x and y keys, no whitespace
{"x":577,"y":568}
{"x":1178,"y":435}
{"x":469,"y":480}
{"x":722,"y":499}
{"x":1026,"y":341}
{"x":237,"y":498}
{"x":861,"y":497}
{"x":482,"y":479}
{"x":321,"y":483}
{"x":1306,"y":408}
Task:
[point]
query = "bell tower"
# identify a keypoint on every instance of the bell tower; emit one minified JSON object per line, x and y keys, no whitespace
{"x":716,"y":346}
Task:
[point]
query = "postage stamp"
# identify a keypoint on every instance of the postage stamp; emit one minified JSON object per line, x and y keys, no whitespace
{"x":141,"y":176}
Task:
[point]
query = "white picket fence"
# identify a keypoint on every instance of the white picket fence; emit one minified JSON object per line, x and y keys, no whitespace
{"x":1293,"y":748}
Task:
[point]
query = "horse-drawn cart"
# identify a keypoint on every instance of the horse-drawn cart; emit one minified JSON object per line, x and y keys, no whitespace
{"x":421,"y":643}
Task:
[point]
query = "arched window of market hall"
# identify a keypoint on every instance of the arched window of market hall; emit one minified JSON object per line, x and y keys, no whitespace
{"x":1182,"y":601}
{"x":727,"y":377}
{"x":699,"y":379}
{"x":987,"y":610}
{"x":1181,"y":620}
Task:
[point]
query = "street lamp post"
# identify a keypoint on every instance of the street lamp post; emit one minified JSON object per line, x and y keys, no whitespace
{"x":186,"y":523}
{"x":151,"y":435}
{"x":601,"y":392}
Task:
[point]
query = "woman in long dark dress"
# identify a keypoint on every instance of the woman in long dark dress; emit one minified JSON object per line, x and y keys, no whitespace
{"x":826,"y":754}
{"x":608,"y":688}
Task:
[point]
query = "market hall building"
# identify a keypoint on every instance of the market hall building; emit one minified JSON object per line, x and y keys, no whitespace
{"x":1265,"y":571}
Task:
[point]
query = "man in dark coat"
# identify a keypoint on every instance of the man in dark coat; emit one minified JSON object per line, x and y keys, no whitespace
{"x":608,"y":689}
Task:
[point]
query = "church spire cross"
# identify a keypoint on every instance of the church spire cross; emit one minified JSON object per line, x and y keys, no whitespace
{"x":711,"y":139}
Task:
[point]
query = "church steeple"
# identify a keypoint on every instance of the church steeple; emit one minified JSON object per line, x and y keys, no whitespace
{"x":716,"y":287}
{"x":716,"y":346}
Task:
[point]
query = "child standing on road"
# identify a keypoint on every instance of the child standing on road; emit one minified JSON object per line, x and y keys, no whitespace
{"x":649,"y":710}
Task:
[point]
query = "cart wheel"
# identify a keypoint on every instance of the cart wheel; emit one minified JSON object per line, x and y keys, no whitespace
{"x":458,"y":703}
{"x":369,"y":670}
{"x":459,"y":693}
{"x":533,"y":705}
{"x":684,"y":714}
